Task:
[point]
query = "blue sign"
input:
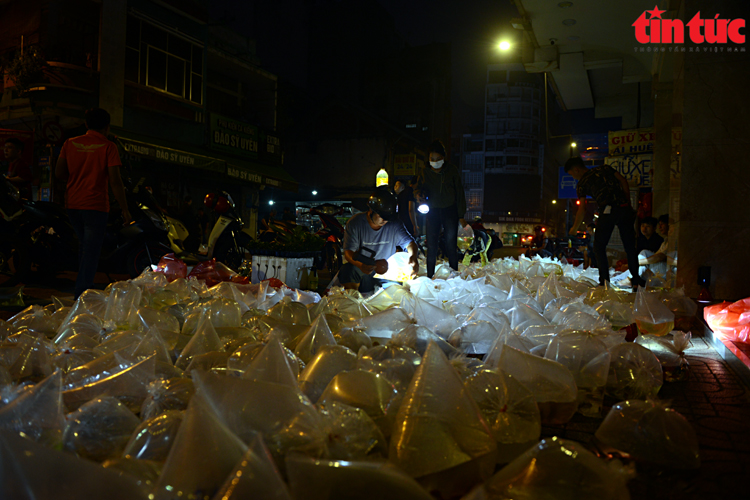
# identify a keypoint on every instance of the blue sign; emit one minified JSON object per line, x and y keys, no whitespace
{"x":566,"y":186}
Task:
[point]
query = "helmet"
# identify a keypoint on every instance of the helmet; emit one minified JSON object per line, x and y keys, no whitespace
{"x":384,"y":203}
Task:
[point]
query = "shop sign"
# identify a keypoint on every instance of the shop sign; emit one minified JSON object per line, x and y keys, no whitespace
{"x":638,"y":141}
{"x":269,"y":148}
{"x":243,"y":174}
{"x":637,"y":169}
{"x":404,"y":165}
{"x":168,"y":155}
{"x":234,"y":136}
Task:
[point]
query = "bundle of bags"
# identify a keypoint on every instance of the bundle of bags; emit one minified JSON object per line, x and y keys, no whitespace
{"x":169,"y":388}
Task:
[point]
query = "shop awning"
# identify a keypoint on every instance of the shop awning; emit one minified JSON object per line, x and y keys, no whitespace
{"x":204,"y":159}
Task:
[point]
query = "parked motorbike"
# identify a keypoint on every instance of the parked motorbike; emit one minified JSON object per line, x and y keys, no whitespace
{"x":39,"y":234}
{"x":228,"y":243}
{"x":333,"y":233}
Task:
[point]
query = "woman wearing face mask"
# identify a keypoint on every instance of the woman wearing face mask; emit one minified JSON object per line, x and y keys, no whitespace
{"x":439,"y":185}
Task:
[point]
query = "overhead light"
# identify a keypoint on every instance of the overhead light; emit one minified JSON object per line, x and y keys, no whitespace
{"x":270,"y":202}
{"x":569,"y":22}
{"x":314,"y":193}
{"x":504,"y":45}
{"x":573,"y":144}
{"x":554,"y":201}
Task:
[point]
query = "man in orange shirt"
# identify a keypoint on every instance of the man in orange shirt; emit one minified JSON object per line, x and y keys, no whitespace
{"x":88,"y":163}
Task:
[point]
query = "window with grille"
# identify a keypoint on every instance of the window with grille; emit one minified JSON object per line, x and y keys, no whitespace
{"x":162,"y":60}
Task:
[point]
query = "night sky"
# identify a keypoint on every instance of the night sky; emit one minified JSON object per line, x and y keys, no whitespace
{"x":472,"y":27}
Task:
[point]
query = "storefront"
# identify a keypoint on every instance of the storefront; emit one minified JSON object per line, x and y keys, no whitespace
{"x":176,"y":171}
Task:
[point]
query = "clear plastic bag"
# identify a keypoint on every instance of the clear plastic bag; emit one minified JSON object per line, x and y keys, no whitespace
{"x":315,"y":338}
{"x":99,"y":429}
{"x":385,"y":324}
{"x":352,"y":434}
{"x":369,"y":391}
{"x":439,"y":426}
{"x":272,"y":364}
{"x":153,"y":438}
{"x":634,"y":372}
{"x":588,"y":360}
{"x":255,"y":476}
{"x":327,"y":363}
{"x":418,"y":338}
{"x":202,"y":456}
{"x":553,"y":386}
{"x":559,"y":469}
{"x":167,"y":395}
{"x":670,"y":351}
{"x":509,"y":408}
{"x":650,"y":432}
{"x":30,"y":470}
{"x":124,"y":379}
{"x":287,"y":421}
{"x":327,"y":479}
{"x":37,"y":412}
{"x":474,"y":337}
{"x":651,"y":315}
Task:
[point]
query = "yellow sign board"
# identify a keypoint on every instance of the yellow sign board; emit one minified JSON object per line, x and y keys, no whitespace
{"x":404,"y":165}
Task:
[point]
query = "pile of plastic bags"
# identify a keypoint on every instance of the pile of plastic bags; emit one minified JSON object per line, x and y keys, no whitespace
{"x":163,"y":387}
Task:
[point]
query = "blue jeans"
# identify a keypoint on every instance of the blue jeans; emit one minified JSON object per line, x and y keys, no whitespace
{"x":447,"y":219}
{"x":89,"y":226}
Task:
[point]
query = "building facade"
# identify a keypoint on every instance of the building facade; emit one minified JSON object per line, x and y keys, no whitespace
{"x":191,"y":107}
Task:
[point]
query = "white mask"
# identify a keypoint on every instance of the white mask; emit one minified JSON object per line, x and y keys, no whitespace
{"x":437,"y":164}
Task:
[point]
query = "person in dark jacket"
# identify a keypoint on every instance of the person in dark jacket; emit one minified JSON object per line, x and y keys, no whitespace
{"x":439,"y":186}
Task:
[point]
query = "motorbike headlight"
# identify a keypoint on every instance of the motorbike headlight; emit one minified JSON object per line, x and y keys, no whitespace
{"x":156,"y":219}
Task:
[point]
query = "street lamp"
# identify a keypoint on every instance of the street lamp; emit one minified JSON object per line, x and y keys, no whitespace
{"x":315,"y":193}
{"x":270,"y":202}
{"x":554,"y":202}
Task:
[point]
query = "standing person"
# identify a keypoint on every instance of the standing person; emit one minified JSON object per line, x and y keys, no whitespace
{"x":88,"y":163}
{"x":19,"y":174}
{"x":440,"y":187}
{"x":407,"y":209}
{"x":611,"y":192}
{"x":287,"y":216}
{"x":370,"y":238}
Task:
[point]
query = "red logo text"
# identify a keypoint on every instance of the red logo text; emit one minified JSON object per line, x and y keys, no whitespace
{"x":711,"y":30}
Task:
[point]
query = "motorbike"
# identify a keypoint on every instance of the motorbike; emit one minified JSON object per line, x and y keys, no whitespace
{"x":227,"y":242}
{"x":39,"y":234}
{"x":333,"y":233}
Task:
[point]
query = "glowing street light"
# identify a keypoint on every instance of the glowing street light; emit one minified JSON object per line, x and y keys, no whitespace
{"x":554,"y":202}
{"x":270,"y":202}
{"x":314,"y":193}
{"x":573,"y":144}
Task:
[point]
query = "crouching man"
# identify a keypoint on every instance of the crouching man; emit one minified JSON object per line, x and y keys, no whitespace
{"x":372,"y":237}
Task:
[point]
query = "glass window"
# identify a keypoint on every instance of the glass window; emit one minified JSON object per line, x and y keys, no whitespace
{"x":489,"y":162}
{"x":163,"y":60}
{"x":489,"y":145}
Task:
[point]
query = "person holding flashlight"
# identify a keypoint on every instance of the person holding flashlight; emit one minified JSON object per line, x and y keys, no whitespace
{"x":439,"y":187}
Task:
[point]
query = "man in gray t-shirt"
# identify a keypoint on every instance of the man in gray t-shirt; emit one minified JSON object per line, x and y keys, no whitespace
{"x":370,"y":238}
